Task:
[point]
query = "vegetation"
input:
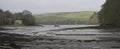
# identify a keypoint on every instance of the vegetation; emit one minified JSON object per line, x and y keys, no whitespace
{"x":94,"y":19}
{"x":8,"y":18}
{"x":64,"y":18}
{"x":26,"y":18}
{"x":110,"y":13}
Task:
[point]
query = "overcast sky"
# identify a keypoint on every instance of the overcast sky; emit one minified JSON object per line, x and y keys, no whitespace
{"x":46,"y":6}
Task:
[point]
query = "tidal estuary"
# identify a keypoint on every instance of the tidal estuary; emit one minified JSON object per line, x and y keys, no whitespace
{"x":51,"y":37}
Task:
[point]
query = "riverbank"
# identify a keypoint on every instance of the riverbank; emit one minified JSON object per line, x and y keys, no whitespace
{"x":89,"y":27}
{"x":63,"y":27}
{"x":48,"y":42}
{"x":9,"y":41}
{"x":43,"y":41}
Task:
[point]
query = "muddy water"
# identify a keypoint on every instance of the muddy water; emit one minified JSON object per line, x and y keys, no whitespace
{"x":84,"y":38}
{"x":79,"y":34}
{"x":89,"y":34}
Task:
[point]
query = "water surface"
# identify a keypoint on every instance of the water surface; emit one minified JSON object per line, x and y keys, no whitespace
{"x":79,"y":34}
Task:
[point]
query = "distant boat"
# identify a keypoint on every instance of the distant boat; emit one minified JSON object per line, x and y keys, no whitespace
{"x":57,"y":25}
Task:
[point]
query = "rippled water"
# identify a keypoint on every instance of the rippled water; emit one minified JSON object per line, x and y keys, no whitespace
{"x":89,"y":34}
{"x":79,"y":34}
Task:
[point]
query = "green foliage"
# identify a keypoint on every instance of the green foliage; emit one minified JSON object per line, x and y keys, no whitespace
{"x":18,"y":22}
{"x":64,"y":18}
{"x":29,"y":20}
{"x":110,"y":13}
{"x":94,"y":19}
{"x":8,"y":18}
{"x":5,"y":17}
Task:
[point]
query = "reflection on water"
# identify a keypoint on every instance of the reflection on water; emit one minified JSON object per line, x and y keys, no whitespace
{"x":79,"y":34}
{"x":42,"y":37}
{"x":89,"y":34}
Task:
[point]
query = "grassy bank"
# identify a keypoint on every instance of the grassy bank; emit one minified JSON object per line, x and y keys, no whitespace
{"x":81,"y":17}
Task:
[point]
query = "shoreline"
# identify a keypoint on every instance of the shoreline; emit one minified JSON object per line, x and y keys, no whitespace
{"x":89,"y":27}
{"x":49,"y":42}
{"x":44,"y":42}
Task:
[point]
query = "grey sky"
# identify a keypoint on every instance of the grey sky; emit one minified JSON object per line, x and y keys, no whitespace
{"x":45,"y":6}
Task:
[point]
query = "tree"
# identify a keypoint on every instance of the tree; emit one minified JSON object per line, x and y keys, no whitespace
{"x":1,"y":10}
{"x":110,"y":13}
{"x":26,"y":12}
{"x":28,"y":18}
{"x":94,"y":19}
{"x":5,"y":17}
{"x":8,"y":18}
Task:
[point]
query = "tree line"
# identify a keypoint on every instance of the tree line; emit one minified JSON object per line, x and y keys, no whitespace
{"x":110,"y":13}
{"x":9,"y":18}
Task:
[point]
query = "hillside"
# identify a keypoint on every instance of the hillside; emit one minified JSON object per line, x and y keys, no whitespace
{"x":64,"y":17}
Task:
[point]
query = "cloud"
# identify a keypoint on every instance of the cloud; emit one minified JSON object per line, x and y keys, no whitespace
{"x":44,"y":6}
